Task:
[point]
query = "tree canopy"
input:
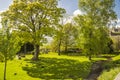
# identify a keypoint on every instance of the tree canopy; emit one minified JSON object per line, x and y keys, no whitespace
{"x":35,"y":18}
{"x":93,"y":24}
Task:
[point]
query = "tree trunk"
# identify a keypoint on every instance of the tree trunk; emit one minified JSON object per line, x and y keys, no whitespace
{"x":25,"y":51}
{"x":36,"y":52}
{"x":66,"y":47}
{"x":59,"y":47}
{"x":90,"y":54}
{"x":66,"y":43}
{"x":5,"y":66}
{"x":90,"y":58}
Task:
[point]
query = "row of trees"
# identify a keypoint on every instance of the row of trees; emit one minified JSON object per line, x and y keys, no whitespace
{"x":65,"y":36}
{"x":91,"y":30}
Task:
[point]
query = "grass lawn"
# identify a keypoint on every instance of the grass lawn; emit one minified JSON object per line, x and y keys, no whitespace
{"x":15,"y":71}
{"x":50,"y":66}
{"x":111,"y":69}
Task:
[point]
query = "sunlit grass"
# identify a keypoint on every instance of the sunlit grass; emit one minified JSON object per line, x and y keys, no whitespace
{"x":116,"y":57}
{"x":15,"y":71}
{"x":55,"y":55}
{"x":109,"y":74}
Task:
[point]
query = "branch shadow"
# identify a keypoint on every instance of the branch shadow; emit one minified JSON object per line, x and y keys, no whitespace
{"x":53,"y":68}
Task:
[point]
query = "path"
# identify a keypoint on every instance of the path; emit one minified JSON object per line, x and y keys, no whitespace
{"x":117,"y":77}
{"x":96,"y":69}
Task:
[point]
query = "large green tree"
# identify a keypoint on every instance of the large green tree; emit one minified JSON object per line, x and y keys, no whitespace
{"x":93,"y":24}
{"x":36,"y":18}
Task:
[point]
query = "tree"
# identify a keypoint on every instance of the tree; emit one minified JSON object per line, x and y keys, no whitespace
{"x":36,"y":18}
{"x":57,"y":39}
{"x":97,"y":15}
{"x":8,"y":44}
{"x":70,"y":34}
{"x":65,"y":36}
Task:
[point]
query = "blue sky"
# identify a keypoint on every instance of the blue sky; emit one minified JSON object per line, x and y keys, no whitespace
{"x":72,"y":5}
{"x":4,"y":4}
{"x":69,"y":5}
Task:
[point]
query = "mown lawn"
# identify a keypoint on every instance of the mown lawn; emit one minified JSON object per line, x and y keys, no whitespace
{"x":111,"y":69}
{"x":49,"y":66}
{"x":15,"y":71}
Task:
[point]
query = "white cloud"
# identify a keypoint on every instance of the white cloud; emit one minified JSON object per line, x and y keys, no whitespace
{"x":118,"y":23}
{"x":0,"y":22}
{"x":78,"y":12}
{"x":66,"y":19}
{"x":69,"y":19}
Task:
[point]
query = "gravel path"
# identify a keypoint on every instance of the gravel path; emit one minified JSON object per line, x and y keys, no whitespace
{"x":117,"y":77}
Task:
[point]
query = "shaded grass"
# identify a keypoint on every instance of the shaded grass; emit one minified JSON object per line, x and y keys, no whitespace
{"x":48,"y":68}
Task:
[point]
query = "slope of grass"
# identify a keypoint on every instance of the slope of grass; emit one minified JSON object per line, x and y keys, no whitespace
{"x":111,"y":69}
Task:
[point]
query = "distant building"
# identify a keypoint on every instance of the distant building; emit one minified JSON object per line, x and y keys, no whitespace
{"x":115,"y":31}
{"x":115,"y":36}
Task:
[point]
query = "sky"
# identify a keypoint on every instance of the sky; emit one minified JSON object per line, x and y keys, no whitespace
{"x":71,"y":6}
{"x":4,"y":4}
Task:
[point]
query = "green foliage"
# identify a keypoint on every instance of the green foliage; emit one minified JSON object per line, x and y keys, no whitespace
{"x":9,"y":44}
{"x":65,"y":35}
{"x":70,"y":35}
{"x":94,"y":35}
{"x":34,"y":19}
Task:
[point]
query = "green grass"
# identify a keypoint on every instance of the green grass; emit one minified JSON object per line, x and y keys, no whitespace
{"x":116,"y":57}
{"x":15,"y":67}
{"x":50,"y":66}
{"x":111,"y":69}
{"x":109,"y":74}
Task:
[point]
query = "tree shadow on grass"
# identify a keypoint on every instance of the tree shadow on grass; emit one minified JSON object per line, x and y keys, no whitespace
{"x":111,"y":65}
{"x":53,"y":68}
